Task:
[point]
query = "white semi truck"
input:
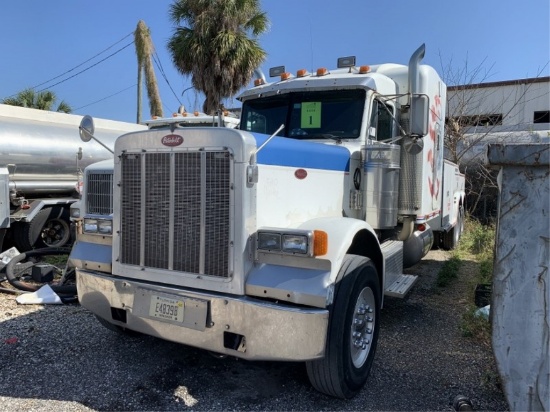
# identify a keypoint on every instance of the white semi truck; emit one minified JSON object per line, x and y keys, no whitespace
{"x":278,"y":240}
{"x":41,"y":158}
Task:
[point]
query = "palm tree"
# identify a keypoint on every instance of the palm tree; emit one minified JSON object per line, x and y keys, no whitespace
{"x":144,"y":51}
{"x":215,"y":41}
{"x":43,"y":100}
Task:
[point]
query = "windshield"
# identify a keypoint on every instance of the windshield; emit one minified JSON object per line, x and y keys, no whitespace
{"x":307,"y":115}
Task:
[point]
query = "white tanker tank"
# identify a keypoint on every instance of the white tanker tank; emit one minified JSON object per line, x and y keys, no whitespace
{"x":41,"y":158}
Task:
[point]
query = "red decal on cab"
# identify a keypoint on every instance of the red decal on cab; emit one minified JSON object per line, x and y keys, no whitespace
{"x":300,"y":174}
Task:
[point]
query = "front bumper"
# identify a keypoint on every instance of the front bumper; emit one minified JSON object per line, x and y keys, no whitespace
{"x":265,"y":330}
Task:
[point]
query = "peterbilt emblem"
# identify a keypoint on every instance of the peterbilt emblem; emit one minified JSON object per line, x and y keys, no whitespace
{"x":171,"y":140}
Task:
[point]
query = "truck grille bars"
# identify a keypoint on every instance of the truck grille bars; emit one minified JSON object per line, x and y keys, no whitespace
{"x":175,"y":211}
{"x":99,"y":193}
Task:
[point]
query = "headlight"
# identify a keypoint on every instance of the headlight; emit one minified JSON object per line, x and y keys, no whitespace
{"x":90,"y":225}
{"x":105,"y":227}
{"x":295,"y":244}
{"x":269,"y":241}
{"x":293,"y":241}
{"x":101,"y":226}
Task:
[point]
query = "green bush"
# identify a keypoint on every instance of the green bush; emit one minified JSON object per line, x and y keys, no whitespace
{"x":478,"y":239}
{"x":449,"y":271}
{"x":477,"y":246}
{"x":476,"y":326}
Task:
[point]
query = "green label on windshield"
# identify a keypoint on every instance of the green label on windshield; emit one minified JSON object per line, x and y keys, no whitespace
{"x":311,"y":115}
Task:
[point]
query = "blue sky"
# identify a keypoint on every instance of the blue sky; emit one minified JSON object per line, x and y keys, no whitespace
{"x":477,"y":40}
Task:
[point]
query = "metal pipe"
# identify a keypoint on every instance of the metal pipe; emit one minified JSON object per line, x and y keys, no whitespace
{"x":407,"y":229}
{"x":414,"y":63}
{"x":414,"y":79}
{"x":259,"y":74}
{"x":28,"y":187}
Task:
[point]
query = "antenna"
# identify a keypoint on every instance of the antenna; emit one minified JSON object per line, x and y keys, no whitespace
{"x":311,"y":43}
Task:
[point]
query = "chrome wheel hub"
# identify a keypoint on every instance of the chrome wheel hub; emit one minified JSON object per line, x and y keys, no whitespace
{"x":362,"y":327}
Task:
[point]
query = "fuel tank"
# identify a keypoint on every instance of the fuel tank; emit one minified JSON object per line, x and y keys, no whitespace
{"x":43,"y":151}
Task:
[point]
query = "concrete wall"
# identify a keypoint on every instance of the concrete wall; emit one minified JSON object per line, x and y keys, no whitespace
{"x":520,"y":300}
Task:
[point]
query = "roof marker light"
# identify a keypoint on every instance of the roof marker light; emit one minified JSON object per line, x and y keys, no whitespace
{"x":285,"y":76}
{"x":196,"y":113}
{"x":258,"y":82}
{"x":301,"y":73}
{"x":322,"y":71}
{"x":364,"y":69}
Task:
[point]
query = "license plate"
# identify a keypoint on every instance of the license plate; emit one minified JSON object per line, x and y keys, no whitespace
{"x":165,"y":308}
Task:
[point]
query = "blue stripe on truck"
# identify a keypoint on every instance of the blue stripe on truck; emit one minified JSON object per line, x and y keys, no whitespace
{"x":281,"y":151}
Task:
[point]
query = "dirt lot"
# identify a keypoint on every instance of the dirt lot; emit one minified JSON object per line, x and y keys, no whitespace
{"x":60,"y":358}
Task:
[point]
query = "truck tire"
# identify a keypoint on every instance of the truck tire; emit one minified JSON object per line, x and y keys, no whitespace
{"x":49,"y":228}
{"x":451,"y":238}
{"x":352,"y":333}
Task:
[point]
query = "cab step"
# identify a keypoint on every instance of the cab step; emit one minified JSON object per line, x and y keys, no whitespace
{"x":401,"y":286}
{"x":396,"y":284}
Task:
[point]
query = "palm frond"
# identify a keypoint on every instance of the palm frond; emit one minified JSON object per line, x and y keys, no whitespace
{"x":43,"y":100}
{"x":215,"y":43}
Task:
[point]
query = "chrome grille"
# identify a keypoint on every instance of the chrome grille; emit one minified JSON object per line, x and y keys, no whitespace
{"x":99,"y":193}
{"x":175,"y":211}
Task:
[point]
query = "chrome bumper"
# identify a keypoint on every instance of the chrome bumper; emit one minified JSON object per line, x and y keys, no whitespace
{"x":266,"y":331}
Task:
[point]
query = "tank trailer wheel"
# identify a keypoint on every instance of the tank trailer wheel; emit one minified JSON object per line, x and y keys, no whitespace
{"x":353,"y":331}
{"x":56,"y":232}
{"x":49,"y":228}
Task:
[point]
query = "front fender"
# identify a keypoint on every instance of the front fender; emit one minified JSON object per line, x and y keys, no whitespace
{"x":311,"y":281}
{"x":347,"y":235}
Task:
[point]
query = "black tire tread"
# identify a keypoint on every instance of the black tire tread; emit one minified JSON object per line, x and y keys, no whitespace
{"x":325,"y":374}
{"x":450,"y":238}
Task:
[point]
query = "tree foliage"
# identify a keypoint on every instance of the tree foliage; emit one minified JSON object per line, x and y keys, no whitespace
{"x":144,"y":52}
{"x":215,"y":42}
{"x":43,"y":100}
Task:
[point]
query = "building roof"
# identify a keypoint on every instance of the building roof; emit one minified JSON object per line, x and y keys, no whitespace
{"x":501,"y":83}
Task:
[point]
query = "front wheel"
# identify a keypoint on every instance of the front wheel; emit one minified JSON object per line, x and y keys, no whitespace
{"x":353,"y":331}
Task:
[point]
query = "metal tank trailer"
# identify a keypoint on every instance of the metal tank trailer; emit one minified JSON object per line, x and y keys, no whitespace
{"x":41,"y":159}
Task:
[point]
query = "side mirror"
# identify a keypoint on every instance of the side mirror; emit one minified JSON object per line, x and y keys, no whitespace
{"x":86,"y":131}
{"x":86,"y":128}
{"x":420,"y":113}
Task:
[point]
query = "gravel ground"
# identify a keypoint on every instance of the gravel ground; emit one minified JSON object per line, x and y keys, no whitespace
{"x":56,"y":358}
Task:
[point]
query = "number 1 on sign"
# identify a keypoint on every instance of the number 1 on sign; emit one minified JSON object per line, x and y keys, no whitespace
{"x":311,"y":115}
